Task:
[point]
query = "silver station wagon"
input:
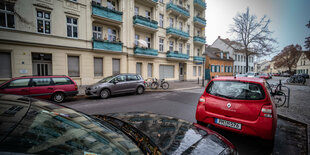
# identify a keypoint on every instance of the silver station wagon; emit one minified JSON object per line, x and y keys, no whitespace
{"x":118,"y":84}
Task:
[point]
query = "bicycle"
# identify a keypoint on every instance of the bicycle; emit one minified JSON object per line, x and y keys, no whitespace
{"x":296,"y":79}
{"x":280,"y":97}
{"x":163,"y":84}
{"x":148,"y":82}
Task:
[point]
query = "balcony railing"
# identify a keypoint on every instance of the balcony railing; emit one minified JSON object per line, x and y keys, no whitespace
{"x":145,"y":22}
{"x":199,"y":58}
{"x":177,"y":32}
{"x":178,"y":9}
{"x":108,"y":45}
{"x":147,"y":51}
{"x":200,"y":39}
{"x":200,"y":3}
{"x":155,"y":1}
{"x":106,"y":12}
{"x":200,"y":20}
{"x":176,"y":54}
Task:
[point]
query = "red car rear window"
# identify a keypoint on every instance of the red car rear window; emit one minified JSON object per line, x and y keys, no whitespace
{"x":236,"y":90}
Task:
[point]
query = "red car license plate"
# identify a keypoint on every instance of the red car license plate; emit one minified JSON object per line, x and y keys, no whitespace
{"x":228,"y":123}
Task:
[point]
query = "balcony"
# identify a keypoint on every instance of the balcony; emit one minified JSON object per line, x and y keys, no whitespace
{"x":177,"y":55}
{"x":199,"y":40}
{"x":199,"y":22}
{"x":106,"y":14}
{"x":177,"y":10}
{"x":199,"y":4}
{"x":148,"y":2}
{"x":145,"y":23}
{"x":148,"y":52}
{"x":108,"y":45}
{"x":177,"y":33}
{"x":198,"y":58}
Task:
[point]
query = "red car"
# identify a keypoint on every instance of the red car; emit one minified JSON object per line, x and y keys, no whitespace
{"x":264,"y":76}
{"x":239,"y":104}
{"x":55,"y":88}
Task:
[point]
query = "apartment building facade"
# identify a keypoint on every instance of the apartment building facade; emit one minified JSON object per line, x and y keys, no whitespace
{"x":303,"y":64}
{"x":236,"y":52}
{"x":91,"y":39}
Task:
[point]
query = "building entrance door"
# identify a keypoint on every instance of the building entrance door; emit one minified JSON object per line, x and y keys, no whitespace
{"x":41,"y":64}
{"x":182,"y":68}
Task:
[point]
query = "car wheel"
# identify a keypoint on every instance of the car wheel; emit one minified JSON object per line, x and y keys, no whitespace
{"x":58,"y":97}
{"x":105,"y":93}
{"x":140,"y":90}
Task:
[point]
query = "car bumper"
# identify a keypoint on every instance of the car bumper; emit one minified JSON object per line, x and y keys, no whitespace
{"x":72,"y":93}
{"x":262,"y":127}
{"x":91,"y":92}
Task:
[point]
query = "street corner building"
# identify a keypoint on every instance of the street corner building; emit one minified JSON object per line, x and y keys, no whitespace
{"x":91,"y":39}
{"x":218,"y":63}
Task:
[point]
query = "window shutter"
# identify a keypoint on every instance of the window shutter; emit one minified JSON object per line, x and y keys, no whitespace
{"x":73,"y":66}
{"x":5,"y":65}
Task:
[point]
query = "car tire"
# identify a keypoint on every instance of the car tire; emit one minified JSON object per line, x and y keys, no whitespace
{"x":58,"y":97}
{"x":140,"y":90}
{"x":268,"y":144}
{"x":105,"y":93}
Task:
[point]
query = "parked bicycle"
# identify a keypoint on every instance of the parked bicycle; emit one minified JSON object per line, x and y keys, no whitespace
{"x":296,"y":79}
{"x":148,"y":82}
{"x":280,"y":96}
{"x":163,"y":84}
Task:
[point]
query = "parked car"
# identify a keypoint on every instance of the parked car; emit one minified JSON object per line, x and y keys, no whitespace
{"x":118,"y":84}
{"x":276,"y":74}
{"x":252,"y":74}
{"x":239,"y":104}
{"x":285,"y":75}
{"x":29,"y":126}
{"x":306,"y":76}
{"x":241,"y":75}
{"x":264,"y":76}
{"x":55,"y":88}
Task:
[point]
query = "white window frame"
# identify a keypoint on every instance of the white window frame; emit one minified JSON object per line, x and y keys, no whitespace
{"x":136,"y":11}
{"x":171,"y":44}
{"x":136,"y":39}
{"x":43,"y":19}
{"x":198,"y":52}
{"x":98,"y":31}
{"x":112,"y":36}
{"x":161,"y":44}
{"x":110,"y":4}
{"x":171,"y":22}
{"x":148,"y":14}
{"x":161,"y":20}
{"x":6,"y":13}
{"x":72,"y":27}
{"x":188,"y":49}
{"x":194,"y":70}
{"x":188,"y":29}
{"x":181,"y":26}
{"x":180,"y":47}
{"x":148,"y":41}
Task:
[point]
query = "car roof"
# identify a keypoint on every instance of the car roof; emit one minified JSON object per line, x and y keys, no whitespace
{"x":25,"y":77}
{"x":245,"y":79}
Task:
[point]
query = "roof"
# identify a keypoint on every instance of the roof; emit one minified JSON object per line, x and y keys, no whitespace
{"x":245,"y":79}
{"x":234,"y":45}
{"x":307,"y":53}
{"x":211,"y":52}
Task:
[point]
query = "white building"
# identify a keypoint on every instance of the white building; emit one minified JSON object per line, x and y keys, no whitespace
{"x":235,"y":50}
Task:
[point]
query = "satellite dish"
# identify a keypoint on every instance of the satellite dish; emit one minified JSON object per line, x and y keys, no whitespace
{"x":143,"y":43}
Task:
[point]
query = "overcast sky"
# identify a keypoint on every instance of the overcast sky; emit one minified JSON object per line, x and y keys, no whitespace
{"x":288,"y":17}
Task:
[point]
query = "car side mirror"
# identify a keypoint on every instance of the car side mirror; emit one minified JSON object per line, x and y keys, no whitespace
{"x":115,"y":82}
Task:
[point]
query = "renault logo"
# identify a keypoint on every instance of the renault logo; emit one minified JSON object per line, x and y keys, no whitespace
{"x":228,"y":105}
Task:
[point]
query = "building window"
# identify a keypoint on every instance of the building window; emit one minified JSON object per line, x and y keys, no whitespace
{"x":227,"y":55}
{"x":97,"y":32}
{"x":180,"y":48}
{"x":235,"y":57}
{"x":188,"y":49}
{"x":136,"y":11}
{"x":198,"y":33}
{"x":171,"y":22}
{"x":73,"y":66}
{"x":111,"y":35}
{"x":199,"y":70}
{"x":148,"y":41}
{"x":181,"y":26}
{"x":136,"y":40}
{"x":188,"y":7}
{"x":170,"y":45}
{"x":116,"y":67}
{"x":221,"y":55}
{"x":72,"y":27}
{"x":238,"y":57}
{"x":111,"y":4}
{"x":198,"y":52}
{"x":150,"y":70}
{"x":5,"y":65}
{"x":188,"y":29}
{"x":161,"y":20}
{"x":161,"y":1}
{"x":222,"y":68}
{"x":138,"y":68}
{"x":97,"y":2}
{"x":148,"y":14}
{"x":7,"y":15}
{"x":43,"y":22}
{"x":98,"y":66}
{"x":194,"y":71}
{"x":161,"y":44}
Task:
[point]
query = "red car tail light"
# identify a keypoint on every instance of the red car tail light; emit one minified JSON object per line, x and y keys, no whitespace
{"x":75,"y":87}
{"x":266,"y":111}
{"x":202,"y":100}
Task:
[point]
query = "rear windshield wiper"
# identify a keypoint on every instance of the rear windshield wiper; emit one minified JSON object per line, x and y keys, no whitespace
{"x":220,"y":95}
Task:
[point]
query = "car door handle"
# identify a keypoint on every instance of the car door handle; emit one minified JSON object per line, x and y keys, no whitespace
{"x":50,"y":88}
{"x":24,"y":90}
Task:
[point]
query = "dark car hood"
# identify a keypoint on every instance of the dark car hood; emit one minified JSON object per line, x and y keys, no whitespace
{"x":175,"y":136}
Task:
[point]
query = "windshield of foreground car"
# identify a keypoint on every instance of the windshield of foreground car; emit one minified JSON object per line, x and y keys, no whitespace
{"x":69,"y":132}
{"x":236,"y":90}
{"x":107,"y":79}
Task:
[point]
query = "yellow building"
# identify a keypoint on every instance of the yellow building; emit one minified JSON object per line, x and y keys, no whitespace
{"x":92,"y":39}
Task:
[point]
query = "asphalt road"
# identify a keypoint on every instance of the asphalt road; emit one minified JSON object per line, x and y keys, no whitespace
{"x":182,"y":104}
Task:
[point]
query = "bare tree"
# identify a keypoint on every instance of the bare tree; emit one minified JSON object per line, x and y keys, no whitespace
{"x":254,"y":35}
{"x":288,"y":57}
{"x":307,"y":42}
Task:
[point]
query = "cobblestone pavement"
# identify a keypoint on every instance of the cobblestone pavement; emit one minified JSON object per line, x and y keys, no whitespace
{"x":299,"y":107}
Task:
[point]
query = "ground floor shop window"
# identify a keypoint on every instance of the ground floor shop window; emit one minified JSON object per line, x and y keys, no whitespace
{"x":5,"y":65}
{"x":194,"y":71}
{"x":116,"y":67}
{"x":138,"y":68}
{"x":149,"y":70}
{"x":74,"y":66}
{"x":98,"y":66}
{"x":166,"y":71}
